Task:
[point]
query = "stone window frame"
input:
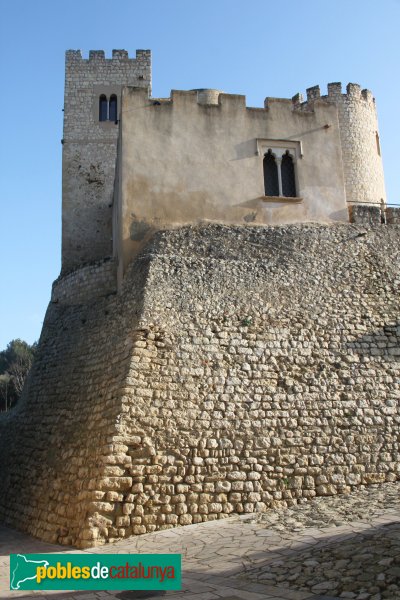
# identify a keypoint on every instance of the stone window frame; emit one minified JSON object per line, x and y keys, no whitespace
{"x":107,"y":106}
{"x":108,"y":91}
{"x":279,"y":148}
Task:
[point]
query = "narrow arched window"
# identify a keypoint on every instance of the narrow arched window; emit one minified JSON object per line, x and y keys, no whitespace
{"x":271,"y":184}
{"x":103,"y":108}
{"x":378,"y":144}
{"x":112,"y":112}
{"x":287,"y":174}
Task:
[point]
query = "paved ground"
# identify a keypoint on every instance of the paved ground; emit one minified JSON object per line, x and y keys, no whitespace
{"x":339,"y":547}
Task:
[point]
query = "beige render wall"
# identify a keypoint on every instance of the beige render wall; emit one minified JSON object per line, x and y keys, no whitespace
{"x":183,"y":162}
{"x":239,"y":368}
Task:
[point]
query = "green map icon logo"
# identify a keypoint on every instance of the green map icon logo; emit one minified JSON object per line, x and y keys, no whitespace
{"x":83,"y":571}
{"x":25,"y":570}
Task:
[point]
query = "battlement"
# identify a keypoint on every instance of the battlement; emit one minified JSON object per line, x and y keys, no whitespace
{"x":211,"y":98}
{"x":353,"y":93}
{"x":99,"y":55}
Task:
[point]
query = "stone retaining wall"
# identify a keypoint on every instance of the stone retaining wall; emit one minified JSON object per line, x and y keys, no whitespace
{"x":393,"y":215}
{"x":365,"y":214}
{"x":239,"y":368}
{"x":86,"y":284}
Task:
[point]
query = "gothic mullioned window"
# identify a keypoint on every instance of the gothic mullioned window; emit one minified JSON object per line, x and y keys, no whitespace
{"x":279,"y":173}
{"x":108,"y":109}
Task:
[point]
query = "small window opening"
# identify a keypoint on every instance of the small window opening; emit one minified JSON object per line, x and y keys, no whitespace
{"x":103,"y":108}
{"x":112,"y":113}
{"x":378,"y":144}
{"x":383,"y":211}
{"x":287,"y":174}
{"x":271,"y":184}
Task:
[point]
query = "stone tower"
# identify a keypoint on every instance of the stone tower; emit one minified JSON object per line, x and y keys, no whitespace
{"x":91,"y":116}
{"x":361,"y":153}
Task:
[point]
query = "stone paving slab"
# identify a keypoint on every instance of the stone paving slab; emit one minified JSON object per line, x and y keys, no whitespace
{"x":259,"y":557}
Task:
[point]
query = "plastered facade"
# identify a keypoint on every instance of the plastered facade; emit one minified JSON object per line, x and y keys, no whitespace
{"x":185,"y":161}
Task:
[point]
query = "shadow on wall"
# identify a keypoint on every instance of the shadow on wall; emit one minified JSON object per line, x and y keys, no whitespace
{"x":339,"y":215}
{"x":384,"y":342}
{"x":246,"y":149}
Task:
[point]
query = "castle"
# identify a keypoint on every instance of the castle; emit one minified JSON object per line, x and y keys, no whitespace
{"x":221,"y":339}
{"x":133,"y":164}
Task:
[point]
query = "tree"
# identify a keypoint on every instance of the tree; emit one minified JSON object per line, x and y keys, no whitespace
{"x":15,"y":363}
{"x":5,"y":391}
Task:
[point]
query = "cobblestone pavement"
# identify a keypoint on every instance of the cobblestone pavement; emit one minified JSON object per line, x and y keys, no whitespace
{"x":328,"y":548}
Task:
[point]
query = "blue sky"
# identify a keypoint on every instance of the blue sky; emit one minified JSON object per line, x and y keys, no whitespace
{"x":258,"y":48}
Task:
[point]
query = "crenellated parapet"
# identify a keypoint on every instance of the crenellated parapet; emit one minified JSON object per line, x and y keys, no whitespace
{"x":99,"y":55}
{"x":353,"y":93}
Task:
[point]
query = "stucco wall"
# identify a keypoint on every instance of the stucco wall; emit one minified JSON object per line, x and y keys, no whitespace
{"x":239,"y":368}
{"x":183,"y":162}
{"x":89,"y":150}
